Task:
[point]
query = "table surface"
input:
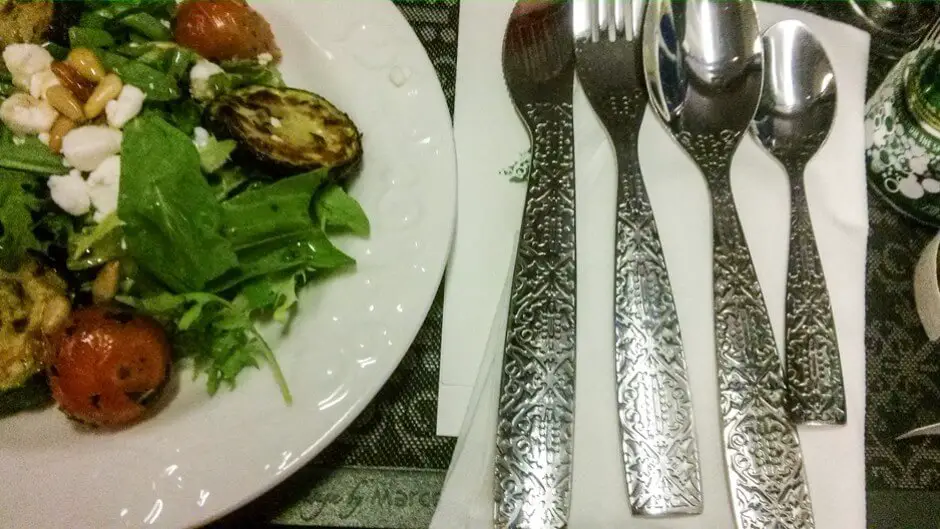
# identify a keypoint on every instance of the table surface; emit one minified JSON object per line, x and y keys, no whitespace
{"x":387,"y":469}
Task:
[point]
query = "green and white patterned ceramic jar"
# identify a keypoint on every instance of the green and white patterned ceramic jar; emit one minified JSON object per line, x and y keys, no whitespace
{"x":902,"y":129}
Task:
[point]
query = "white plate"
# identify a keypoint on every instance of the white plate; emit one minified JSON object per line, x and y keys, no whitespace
{"x":202,"y":457}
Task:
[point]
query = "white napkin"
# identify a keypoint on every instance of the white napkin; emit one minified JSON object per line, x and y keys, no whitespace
{"x":488,"y":219}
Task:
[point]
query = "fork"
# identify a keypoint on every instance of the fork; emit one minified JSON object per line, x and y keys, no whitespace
{"x":535,"y":424}
{"x":653,"y":397}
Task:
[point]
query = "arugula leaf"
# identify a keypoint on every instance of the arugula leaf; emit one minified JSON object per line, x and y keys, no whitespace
{"x":307,"y":249}
{"x":157,"y":85}
{"x":218,"y":335}
{"x":17,"y":203}
{"x":283,"y":207}
{"x":336,"y":209}
{"x":168,"y":57}
{"x":28,"y":154}
{"x":88,"y":37}
{"x":147,"y":25}
{"x":172,"y":220}
{"x":275,"y":295}
{"x":215,"y":153}
{"x":96,"y":245}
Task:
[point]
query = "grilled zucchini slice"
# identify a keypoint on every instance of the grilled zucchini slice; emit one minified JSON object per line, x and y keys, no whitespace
{"x":286,"y":130}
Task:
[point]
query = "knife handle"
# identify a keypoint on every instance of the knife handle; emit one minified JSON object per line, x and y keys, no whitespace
{"x":766,"y":474}
{"x":815,"y":387}
{"x":654,"y":401}
{"x":535,"y":427}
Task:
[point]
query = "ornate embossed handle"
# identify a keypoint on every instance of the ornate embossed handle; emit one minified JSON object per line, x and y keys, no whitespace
{"x":766,"y":474}
{"x":815,"y":388}
{"x":653,"y":396}
{"x":536,"y":404}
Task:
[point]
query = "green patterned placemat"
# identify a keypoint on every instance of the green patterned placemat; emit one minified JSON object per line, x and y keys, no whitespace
{"x":387,"y":469}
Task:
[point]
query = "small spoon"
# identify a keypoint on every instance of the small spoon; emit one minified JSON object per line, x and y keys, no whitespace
{"x":703,"y":61}
{"x":793,"y":120}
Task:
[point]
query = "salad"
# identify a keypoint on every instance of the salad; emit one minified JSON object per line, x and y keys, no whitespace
{"x":161,"y":191}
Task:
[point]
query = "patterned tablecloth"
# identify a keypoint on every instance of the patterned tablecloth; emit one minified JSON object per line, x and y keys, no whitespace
{"x":386,"y":471}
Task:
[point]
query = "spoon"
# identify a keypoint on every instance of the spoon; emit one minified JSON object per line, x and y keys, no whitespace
{"x":793,"y":120}
{"x":703,"y":61}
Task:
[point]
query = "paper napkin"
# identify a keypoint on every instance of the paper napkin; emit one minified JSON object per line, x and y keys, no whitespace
{"x":490,"y":138}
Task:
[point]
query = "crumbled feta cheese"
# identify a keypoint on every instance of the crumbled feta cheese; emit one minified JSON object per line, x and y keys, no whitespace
{"x":275,"y":122}
{"x":399,"y":76}
{"x":103,"y":184}
{"x":86,"y":147}
{"x":70,"y":192}
{"x":199,"y":76}
{"x":24,"y":60}
{"x":24,"y":114}
{"x":44,"y":138}
{"x":125,"y":107}
{"x":265,"y":58}
{"x":200,"y":137}
{"x":42,"y":81}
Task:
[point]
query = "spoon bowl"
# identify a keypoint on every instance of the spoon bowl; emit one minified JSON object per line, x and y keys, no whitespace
{"x":798,"y":100}
{"x":703,"y":62}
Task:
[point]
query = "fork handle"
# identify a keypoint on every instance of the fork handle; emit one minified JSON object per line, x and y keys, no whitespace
{"x":815,"y":388}
{"x":766,"y":474}
{"x":654,"y":400}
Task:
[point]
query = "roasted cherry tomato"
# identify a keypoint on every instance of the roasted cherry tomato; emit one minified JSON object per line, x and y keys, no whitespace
{"x":224,"y":29}
{"x":107,"y":365}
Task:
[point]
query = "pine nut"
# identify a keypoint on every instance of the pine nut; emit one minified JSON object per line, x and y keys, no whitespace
{"x":71,"y":79}
{"x":64,"y":101}
{"x":59,"y":129}
{"x":107,"y":89}
{"x":86,"y":63}
{"x":105,"y":286}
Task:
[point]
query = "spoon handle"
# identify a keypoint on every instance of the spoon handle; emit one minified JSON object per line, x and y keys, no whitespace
{"x":815,"y":389}
{"x":654,"y":400}
{"x":766,"y":474}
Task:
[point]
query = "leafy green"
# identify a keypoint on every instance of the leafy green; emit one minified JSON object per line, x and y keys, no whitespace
{"x":243,"y":72}
{"x":96,"y":245}
{"x":218,"y":335}
{"x":172,"y":220}
{"x":57,"y":51}
{"x":307,"y":249}
{"x":272,"y":232}
{"x":227,"y":181}
{"x":275,"y":295}
{"x":283,"y":207}
{"x":27,"y":154}
{"x":17,"y":204}
{"x":86,"y":37}
{"x":215,"y":153}
{"x":167,"y":57}
{"x":147,"y":25}
{"x":185,"y":115}
{"x":337,"y":210}
{"x":157,"y":85}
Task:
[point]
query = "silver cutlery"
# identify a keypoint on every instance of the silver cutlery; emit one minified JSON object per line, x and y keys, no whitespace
{"x":793,"y":120}
{"x":653,"y":397}
{"x":535,"y":425}
{"x":703,"y":63}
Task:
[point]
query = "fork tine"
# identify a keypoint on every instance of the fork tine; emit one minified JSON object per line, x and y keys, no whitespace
{"x":603,"y":19}
{"x":934,"y":33}
{"x":594,"y":19}
{"x":621,"y":12}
